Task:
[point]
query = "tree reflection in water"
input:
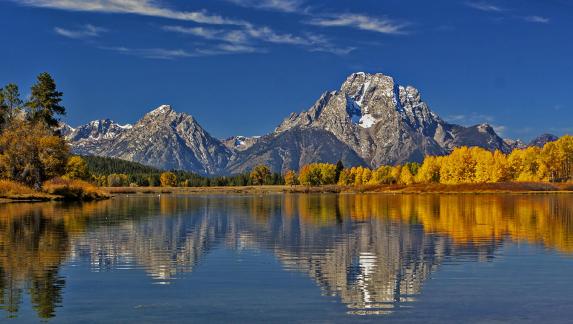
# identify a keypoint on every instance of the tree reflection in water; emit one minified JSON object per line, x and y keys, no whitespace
{"x":374,"y":252}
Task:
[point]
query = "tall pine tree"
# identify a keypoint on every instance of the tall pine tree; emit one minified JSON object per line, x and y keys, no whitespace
{"x":339,"y":168}
{"x":45,"y":101}
{"x":10,"y":102}
{"x":3,"y":110}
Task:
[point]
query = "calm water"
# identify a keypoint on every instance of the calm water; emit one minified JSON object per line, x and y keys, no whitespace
{"x":321,"y":258}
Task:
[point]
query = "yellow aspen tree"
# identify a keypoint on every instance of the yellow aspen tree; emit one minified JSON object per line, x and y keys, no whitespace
{"x":406,"y":177}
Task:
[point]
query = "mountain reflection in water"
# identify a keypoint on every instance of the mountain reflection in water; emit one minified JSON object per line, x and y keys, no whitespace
{"x":373,"y":252}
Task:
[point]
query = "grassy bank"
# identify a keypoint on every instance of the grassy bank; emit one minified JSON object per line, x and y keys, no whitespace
{"x":507,"y":187}
{"x":55,"y":189}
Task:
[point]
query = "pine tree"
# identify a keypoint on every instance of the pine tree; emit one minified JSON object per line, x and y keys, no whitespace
{"x":10,"y":103}
{"x":45,"y":101}
{"x":339,"y":168}
{"x":3,"y":110}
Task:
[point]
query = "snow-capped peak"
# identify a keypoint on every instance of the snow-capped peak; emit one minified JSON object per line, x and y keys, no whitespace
{"x":163,"y":109}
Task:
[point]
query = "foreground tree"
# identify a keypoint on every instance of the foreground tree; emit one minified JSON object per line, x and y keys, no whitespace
{"x":31,"y":153}
{"x":44,"y":105}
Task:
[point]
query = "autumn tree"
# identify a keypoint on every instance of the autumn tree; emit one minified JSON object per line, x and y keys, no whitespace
{"x":406,"y":176}
{"x":309,"y":175}
{"x":168,"y":179}
{"x":317,"y":174}
{"x":31,"y":153}
{"x":77,"y":168}
{"x":556,"y":160}
{"x":345,"y":178}
{"x":382,"y":175}
{"x":429,"y":171}
{"x":524,"y":165}
{"x":458,"y":167}
{"x":290,"y":178}
{"x":260,"y":174}
{"x":45,"y":101}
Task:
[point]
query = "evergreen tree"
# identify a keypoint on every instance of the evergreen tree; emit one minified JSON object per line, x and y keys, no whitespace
{"x":339,"y":168}
{"x":45,"y":101}
{"x":3,"y":110}
{"x":10,"y":103}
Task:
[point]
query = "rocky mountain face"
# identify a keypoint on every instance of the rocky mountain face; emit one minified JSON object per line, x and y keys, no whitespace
{"x":386,"y":123}
{"x":515,"y":144}
{"x":163,"y":138}
{"x":291,"y":149}
{"x":240,"y":143}
{"x":541,"y":140}
{"x":94,"y":135}
{"x":371,"y":120}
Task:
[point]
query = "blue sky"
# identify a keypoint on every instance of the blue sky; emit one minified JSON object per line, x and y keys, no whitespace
{"x":241,"y":66}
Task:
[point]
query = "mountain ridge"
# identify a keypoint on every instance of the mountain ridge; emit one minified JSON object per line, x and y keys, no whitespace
{"x":371,"y":120}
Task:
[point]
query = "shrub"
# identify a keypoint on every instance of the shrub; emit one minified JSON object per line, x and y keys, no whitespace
{"x":73,"y":190}
{"x":9,"y":188}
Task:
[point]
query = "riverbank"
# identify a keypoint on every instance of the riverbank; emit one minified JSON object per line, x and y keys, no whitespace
{"x":52,"y":190}
{"x":508,"y":187}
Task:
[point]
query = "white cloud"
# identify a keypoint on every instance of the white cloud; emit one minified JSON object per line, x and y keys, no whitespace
{"x":276,"y":5}
{"x":85,"y":31}
{"x":484,"y":6}
{"x":138,"y":7}
{"x":246,"y":35}
{"x":251,"y":34}
{"x":537,"y":19}
{"x":363,"y":22}
{"x":171,"y":54}
{"x":499,"y":129}
{"x":471,"y":119}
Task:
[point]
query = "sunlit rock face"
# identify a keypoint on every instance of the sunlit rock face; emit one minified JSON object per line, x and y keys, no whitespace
{"x":163,"y":138}
{"x":387,"y":123}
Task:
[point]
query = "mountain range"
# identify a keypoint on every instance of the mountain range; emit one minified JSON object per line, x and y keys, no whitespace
{"x":371,"y":121}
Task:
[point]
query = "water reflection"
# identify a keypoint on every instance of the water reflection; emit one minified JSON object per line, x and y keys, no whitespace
{"x":373,"y":252}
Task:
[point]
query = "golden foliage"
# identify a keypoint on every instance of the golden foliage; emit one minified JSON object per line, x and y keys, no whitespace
{"x":73,"y":189}
{"x":11,"y":188}
{"x":77,"y":168}
{"x":290,"y":178}
{"x":317,"y":174}
{"x":168,"y":179}
{"x":31,"y":153}
{"x":260,"y":174}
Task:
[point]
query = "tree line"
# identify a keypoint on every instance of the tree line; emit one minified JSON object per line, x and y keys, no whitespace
{"x":551,"y":163}
{"x":112,"y":172}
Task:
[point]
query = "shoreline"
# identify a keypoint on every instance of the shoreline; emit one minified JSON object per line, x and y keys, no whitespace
{"x":494,"y":188}
{"x":416,"y":189}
